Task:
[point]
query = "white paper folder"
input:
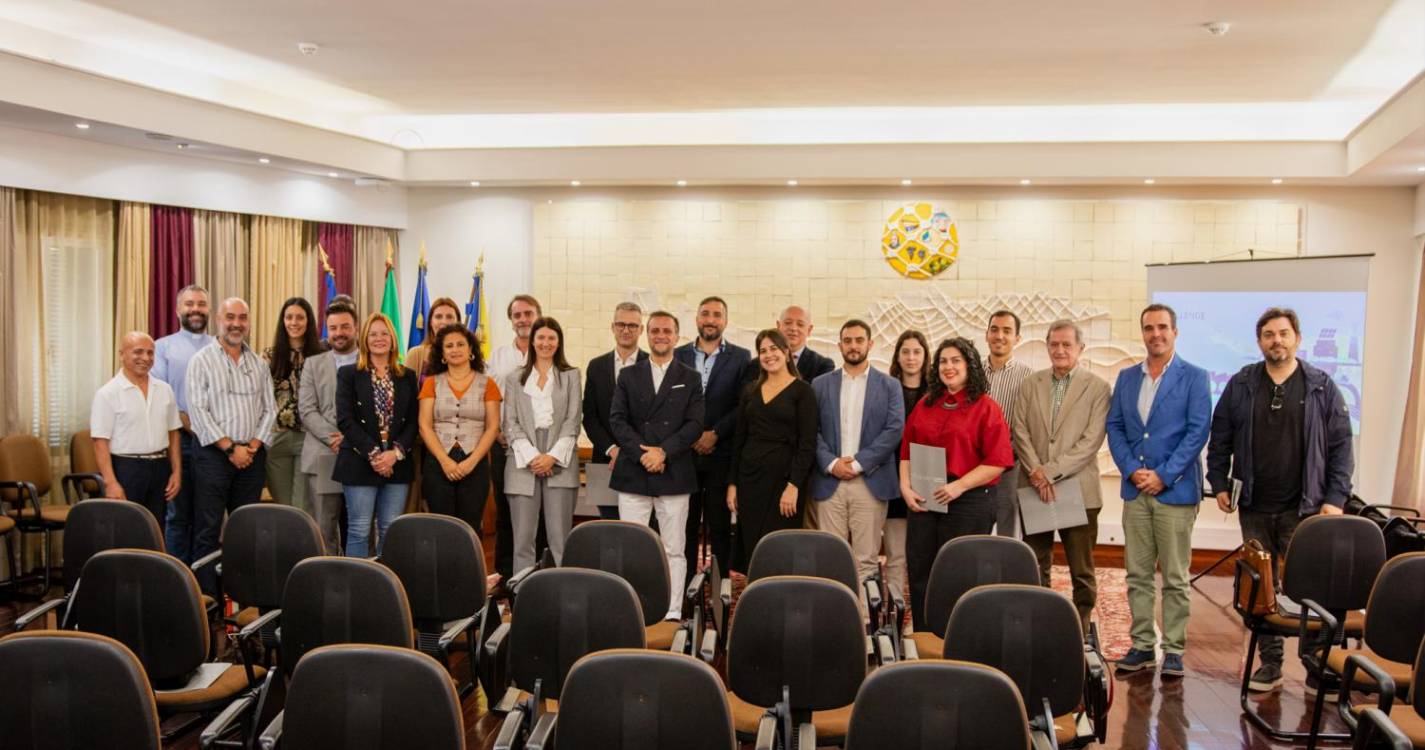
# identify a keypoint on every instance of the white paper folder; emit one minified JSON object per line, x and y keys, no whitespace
{"x":1066,"y":512}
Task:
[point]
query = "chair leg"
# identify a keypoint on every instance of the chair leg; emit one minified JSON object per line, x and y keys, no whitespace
{"x":1260,"y":722}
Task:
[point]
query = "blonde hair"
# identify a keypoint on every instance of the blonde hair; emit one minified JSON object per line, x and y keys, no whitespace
{"x":363,"y":354}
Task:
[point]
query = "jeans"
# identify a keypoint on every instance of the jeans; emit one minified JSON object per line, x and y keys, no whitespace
{"x":386,"y":501}
{"x":222,"y":488}
{"x":178,"y":524}
{"x":1274,"y":532}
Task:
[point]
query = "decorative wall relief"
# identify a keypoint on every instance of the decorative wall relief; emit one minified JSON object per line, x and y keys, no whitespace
{"x":920,"y":240}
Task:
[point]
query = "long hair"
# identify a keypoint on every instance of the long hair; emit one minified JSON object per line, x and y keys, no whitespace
{"x":436,"y":364}
{"x":976,"y":382}
{"x":779,"y":341}
{"x":281,"y":364}
{"x":905,"y":336}
{"x":560,"y":363}
{"x":438,"y":303}
{"x":363,"y":354}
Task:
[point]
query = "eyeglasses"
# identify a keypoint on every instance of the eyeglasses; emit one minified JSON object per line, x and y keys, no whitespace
{"x":1278,"y":393}
{"x":628,"y":326}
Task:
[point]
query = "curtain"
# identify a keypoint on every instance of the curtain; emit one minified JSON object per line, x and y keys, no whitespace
{"x":279,"y":267}
{"x":220,"y":254}
{"x":171,"y":267}
{"x":369,"y":261}
{"x":1410,"y":463}
{"x":132,"y":257}
{"x":21,"y":325}
{"x":338,"y":240}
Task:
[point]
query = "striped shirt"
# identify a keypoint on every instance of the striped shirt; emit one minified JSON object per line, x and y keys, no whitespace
{"x":1005,"y":382}
{"x":228,"y":399}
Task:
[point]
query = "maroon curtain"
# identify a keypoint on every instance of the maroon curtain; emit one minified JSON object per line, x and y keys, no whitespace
{"x":170,"y":267}
{"x":339,"y":242}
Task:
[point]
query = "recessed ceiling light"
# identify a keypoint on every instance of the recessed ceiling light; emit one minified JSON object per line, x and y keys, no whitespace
{"x":263,"y":160}
{"x":1149,"y":181}
{"x":474,"y":183}
{"x":906,"y":183}
{"x":1420,"y":169}
{"x":574,"y":183}
{"x":682,"y":183}
{"x":791,"y":183}
{"x":308,"y":48}
{"x":333,"y":174}
{"x":1218,"y":28}
{"x":182,"y":145}
{"x":550,"y":201}
{"x":82,"y":125}
{"x":1024,"y":182}
{"x":1276,"y":180}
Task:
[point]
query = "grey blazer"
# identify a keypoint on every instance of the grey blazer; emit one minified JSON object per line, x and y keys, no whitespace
{"x":517,"y":421}
{"x":316,"y":407}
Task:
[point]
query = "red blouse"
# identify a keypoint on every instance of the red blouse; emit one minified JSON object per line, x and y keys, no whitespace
{"x":971,"y":433}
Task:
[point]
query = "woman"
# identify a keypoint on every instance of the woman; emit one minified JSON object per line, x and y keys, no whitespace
{"x":443,"y":312}
{"x":772,"y":448}
{"x":376,"y":413}
{"x":957,"y":415}
{"x":460,"y":420}
{"x":296,"y":339}
{"x":907,"y":366}
{"x":541,"y":424}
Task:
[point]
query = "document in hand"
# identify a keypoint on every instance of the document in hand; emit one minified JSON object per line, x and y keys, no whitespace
{"x":927,"y":474}
{"x":598,"y":479}
{"x":1066,"y":512}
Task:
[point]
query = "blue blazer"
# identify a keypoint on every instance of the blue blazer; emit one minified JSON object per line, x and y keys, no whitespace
{"x":725,"y":384}
{"x":882,"y":419}
{"x":1172,"y":441}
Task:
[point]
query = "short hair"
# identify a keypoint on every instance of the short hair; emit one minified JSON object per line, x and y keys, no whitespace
{"x":191,"y":288}
{"x":1272,"y":313}
{"x":1000,"y":313}
{"x":627,"y":307}
{"x":713,"y":298}
{"x":528,"y":299}
{"x":664,"y":314}
{"x":856,"y":323}
{"x":339,"y":306}
{"x":343,"y":298}
{"x":1063,"y":323}
{"x":1159,"y":307}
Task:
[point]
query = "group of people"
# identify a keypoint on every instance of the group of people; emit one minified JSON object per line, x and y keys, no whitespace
{"x":712,"y":442}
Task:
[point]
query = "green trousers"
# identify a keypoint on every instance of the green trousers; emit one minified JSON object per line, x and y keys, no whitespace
{"x":284,"y":479}
{"x":1158,"y":535}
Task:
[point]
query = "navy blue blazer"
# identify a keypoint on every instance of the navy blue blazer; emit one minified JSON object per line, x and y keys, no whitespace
{"x":670,"y":418}
{"x":725,"y":383}
{"x":882,"y":420}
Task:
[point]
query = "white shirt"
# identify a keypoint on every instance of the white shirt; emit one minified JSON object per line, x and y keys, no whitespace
{"x":621,"y":362}
{"x":659,"y":371}
{"x":505,"y":360}
{"x":852,"y":407}
{"x":1149,"y":388}
{"x":542,"y":402}
{"x":342,"y":360}
{"x":133,"y":424}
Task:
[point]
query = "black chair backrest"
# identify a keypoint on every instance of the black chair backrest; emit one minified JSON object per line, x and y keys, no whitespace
{"x":647,"y":699}
{"x":148,"y":601}
{"x":261,"y":543}
{"x":969,"y":561}
{"x":563,"y":614}
{"x":1417,"y":697}
{"x":1334,"y":560}
{"x":373,"y":697}
{"x":1395,"y":615}
{"x":1402,"y":536}
{"x":803,"y":552}
{"x":1030,"y":633}
{"x":440,"y":563}
{"x":800,"y":632}
{"x":331,"y":600}
{"x":63,"y":689}
{"x":930,"y":705}
{"x":96,"y":525}
{"x":630,"y":551}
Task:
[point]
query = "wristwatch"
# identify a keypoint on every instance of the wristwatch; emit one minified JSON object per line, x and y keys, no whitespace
{"x":229,"y":450}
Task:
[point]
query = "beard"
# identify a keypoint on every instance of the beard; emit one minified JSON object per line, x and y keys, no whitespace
{"x":1278,"y":356}
{"x":195,"y":322}
{"x":709,"y":333}
{"x":854,"y":358}
{"x":341,"y":344}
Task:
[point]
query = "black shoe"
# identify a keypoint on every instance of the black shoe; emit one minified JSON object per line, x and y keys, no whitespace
{"x":1268,"y":677}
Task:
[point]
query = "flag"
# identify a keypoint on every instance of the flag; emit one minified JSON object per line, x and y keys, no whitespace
{"x":420,"y":309}
{"x":330,"y":287}
{"x":475,"y":309}
{"x":391,"y":302}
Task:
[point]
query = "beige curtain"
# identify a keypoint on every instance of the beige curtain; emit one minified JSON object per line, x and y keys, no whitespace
{"x":21,"y":325}
{"x":131,"y":270}
{"x":1410,"y":464}
{"x":369,"y":277}
{"x":221,"y":250}
{"x":277,"y":269}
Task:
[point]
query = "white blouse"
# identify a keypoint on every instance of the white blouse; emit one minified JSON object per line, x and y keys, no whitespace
{"x":542,"y":402}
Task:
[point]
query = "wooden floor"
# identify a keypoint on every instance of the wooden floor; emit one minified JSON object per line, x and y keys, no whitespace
{"x":1198,"y":711}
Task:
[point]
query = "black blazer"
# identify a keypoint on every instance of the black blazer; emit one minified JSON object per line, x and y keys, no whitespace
{"x":812,"y":365}
{"x":670,"y":419}
{"x":725,"y":383}
{"x":356,"y":418}
{"x":598,"y":399}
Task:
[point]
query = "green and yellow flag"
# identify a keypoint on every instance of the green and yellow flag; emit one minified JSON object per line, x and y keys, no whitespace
{"x":391,"y":302}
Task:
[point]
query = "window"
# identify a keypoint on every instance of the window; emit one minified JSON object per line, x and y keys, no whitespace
{"x":78,"y":339}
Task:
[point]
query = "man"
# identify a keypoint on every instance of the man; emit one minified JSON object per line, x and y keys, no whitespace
{"x":316,"y":406}
{"x":1058,"y":428}
{"x":795,"y":325}
{"x":232,"y":411}
{"x":857,"y":448}
{"x":722,"y":368}
{"x":171,"y":355}
{"x":1157,"y":426}
{"x":1006,"y":374}
{"x":134,"y":424}
{"x":522,"y":311}
{"x":1281,"y":429}
{"x":657,"y":414}
{"x":600,"y":379}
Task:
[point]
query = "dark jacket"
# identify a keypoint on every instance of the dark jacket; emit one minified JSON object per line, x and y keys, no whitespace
{"x":671,"y":419}
{"x":725,"y":383}
{"x":356,"y":418}
{"x":1328,"y":465}
{"x":598,"y":399}
{"x":812,"y":365}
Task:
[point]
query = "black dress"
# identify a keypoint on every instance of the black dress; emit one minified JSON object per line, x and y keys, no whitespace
{"x":775,"y":443}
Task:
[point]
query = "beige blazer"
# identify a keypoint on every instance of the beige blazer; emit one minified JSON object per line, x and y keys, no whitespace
{"x":1070,"y":450}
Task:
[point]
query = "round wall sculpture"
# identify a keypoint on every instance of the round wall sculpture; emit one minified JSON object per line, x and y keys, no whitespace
{"x":919,"y":240}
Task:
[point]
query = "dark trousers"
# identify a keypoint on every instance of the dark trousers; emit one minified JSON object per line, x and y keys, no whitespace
{"x":221,"y":488}
{"x":178,"y":523}
{"x":709,"y":502}
{"x":925,"y":533}
{"x":464,"y":499}
{"x":1274,"y":532}
{"x":144,"y":480}
{"x":1078,"y":542}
